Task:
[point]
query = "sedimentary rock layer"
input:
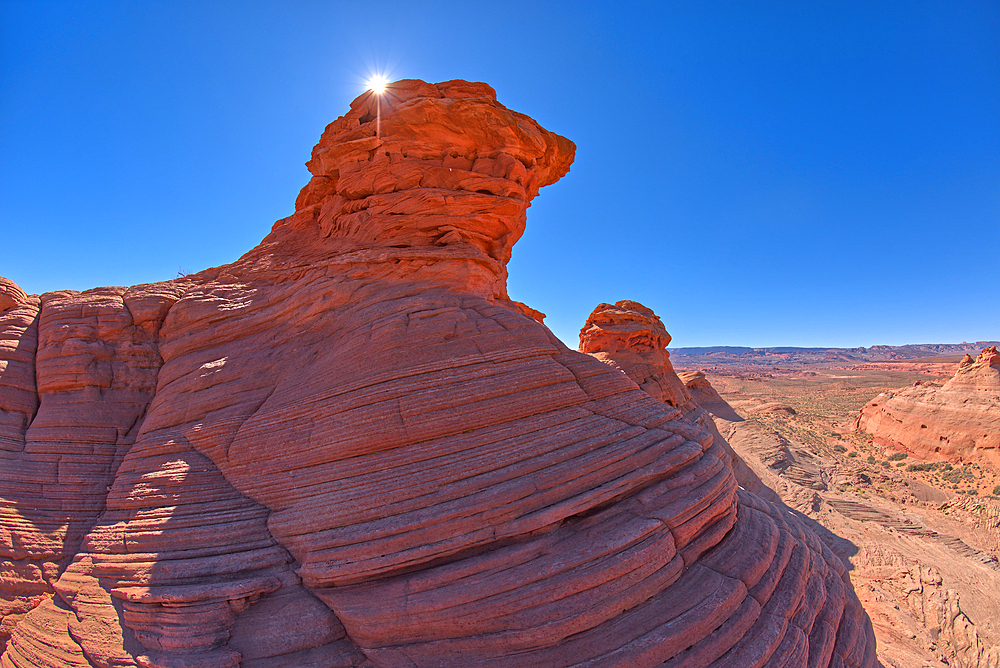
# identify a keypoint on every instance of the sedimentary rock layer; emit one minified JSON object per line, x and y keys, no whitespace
{"x":350,"y":448}
{"x":956,"y":422}
{"x":631,"y":338}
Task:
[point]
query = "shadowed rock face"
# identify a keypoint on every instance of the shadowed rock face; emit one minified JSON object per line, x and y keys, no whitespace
{"x":957,"y":422}
{"x":703,"y":394}
{"x":350,"y":448}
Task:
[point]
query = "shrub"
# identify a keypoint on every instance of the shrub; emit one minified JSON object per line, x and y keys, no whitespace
{"x":898,"y":457}
{"x":871,"y":459}
{"x":957,"y":475}
{"x":852,"y":453}
{"x":996,"y":491}
{"x":839,"y":448}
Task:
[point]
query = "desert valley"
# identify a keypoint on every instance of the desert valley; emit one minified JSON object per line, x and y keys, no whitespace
{"x":919,"y":526}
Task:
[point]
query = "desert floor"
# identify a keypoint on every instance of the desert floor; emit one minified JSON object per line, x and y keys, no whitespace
{"x":921,"y":538}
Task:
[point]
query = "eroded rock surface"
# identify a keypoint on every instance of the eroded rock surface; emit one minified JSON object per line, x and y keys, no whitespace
{"x":706,"y":396}
{"x":631,"y":337}
{"x":350,"y":448}
{"x":922,"y":560}
{"x":956,"y":422}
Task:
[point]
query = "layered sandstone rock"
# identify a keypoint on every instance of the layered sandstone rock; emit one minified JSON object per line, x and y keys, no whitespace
{"x":957,"y":422}
{"x":350,"y":448}
{"x":706,"y":396}
{"x":631,"y":338}
{"x":11,"y":294}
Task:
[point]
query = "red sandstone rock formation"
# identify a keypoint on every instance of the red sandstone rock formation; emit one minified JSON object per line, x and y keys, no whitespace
{"x":957,"y":422}
{"x":631,"y":337}
{"x":700,"y":389}
{"x":350,"y":448}
{"x":706,"y":396}
{"x":10,"y":295}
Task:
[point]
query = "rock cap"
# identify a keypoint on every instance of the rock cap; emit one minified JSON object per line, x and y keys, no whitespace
{"x":430,"y":165}
{"x":624,"y":325}
{"x":11,"y":294}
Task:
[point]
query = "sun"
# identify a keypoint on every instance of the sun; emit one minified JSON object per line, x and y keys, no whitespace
{"x":377,"y":84}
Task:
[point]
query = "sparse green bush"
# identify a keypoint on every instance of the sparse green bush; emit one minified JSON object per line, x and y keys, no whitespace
{"x":871,"y":459}
{"x":852,"y":453}
{"x":885,"y":465}
{"x":957,"y":475}
{"x":898,"y":457}
{"x":898,"y":464}
{"x":839,"y":448}
{"x":928,"y":466}
{"x":996,"y":491}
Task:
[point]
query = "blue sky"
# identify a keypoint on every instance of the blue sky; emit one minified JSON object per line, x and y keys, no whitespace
{"x":761,"y":174}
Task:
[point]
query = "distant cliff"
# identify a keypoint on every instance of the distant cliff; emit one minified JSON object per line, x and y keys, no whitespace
{"x":736,"y":355}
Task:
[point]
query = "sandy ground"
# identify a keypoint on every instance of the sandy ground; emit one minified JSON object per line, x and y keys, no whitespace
{"x":922,"y":545}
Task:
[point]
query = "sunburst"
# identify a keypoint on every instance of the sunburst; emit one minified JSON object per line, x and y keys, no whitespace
{"x":377,"y":83}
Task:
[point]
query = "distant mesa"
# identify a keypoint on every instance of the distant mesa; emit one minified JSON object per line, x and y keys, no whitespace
{"x":351,"y":448}
{"x":742,"y":356}
{"x":956,"y":422}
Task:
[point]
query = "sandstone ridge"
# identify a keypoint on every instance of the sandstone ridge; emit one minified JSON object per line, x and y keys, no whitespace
{"x":350,"y":448}
{"x":956,"y":422}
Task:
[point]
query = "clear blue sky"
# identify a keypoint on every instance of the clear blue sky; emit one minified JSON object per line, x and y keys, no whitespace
{"x":758,"y":173}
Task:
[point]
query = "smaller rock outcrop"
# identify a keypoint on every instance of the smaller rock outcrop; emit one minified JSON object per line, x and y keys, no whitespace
{"x":957,"y":422}
{"x":707,"y":397}
{"x":631,"y":337}
{"x":773,"y":407}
